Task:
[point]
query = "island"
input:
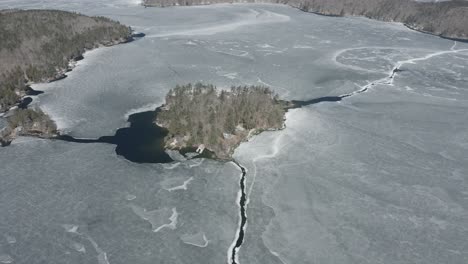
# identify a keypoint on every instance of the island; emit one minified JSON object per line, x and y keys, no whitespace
{"x":447,"y":19}
{"x":41,"y":46}
{"x":201,"y":116}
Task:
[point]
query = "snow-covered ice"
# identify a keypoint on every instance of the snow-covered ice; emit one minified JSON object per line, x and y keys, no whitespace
{"x":57,"y":195}
{"x":380,"y":177}
{"x":198,"y":239}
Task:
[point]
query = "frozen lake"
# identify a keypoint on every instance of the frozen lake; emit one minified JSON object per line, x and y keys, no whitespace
{"x":380,"y":177}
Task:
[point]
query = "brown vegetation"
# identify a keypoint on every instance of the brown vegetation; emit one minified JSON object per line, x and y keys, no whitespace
{"x":37,"y":45}
{"x":447,"y":19}
{"x":218,"y":119}
{"x":27,"y":122}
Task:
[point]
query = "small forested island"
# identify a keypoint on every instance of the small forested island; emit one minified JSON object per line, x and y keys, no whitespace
{"x":202,"y":116}
{"x":38,"y":46}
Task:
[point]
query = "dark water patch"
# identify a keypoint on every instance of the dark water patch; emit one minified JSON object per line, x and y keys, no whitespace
{"x":142,"y":142}
{"x":298,"y":104}
{"x":58,"y":78}
{"x":138,"y":35}
{"x":135,"y":36}
{"x":78,"y":58}
{"x":243,"y":215}
{"x":76,"y":140}
{"x":434,"y":34}
{"x":456,"y":39}
{"x":24,"y":102}
{"x":4,"y":142}
{"x":30,"y":91}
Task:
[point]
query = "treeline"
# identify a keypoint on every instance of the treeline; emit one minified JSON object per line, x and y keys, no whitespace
{"x":446,"y":18}
{"x":219,"y":119}
{"x":37,"y":45}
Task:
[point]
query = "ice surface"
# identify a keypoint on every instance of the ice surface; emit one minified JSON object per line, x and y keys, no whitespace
{"x":10,"y":239}
{"x":58,"y":195}
{"x":198,"y":239}
{"x":266,"y":46}
{"x":173,"y":185}
{"x":6,"y":259}
{"x":380,"y":177}
{"x":79,"y":247}
{"x":157,"y":218}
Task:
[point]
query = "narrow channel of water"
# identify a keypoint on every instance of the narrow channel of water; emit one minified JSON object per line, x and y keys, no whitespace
{"x":243,"y":216}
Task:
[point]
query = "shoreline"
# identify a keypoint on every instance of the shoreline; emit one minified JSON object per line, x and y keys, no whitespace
{"x":143,"y":141}
{"x":62,"y":73}
{"x":9,"y":133}
{"x":464,"y":40}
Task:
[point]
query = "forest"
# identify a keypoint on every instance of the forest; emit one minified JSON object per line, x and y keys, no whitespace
{"x":37,"y":45}
{"x":219,"y":119}
{"x":443,"y":18}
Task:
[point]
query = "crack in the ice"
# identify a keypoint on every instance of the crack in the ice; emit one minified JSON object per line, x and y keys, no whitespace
{"x":397,"y":68}
{"x":234,"y":248}
{"x":388,"y":80}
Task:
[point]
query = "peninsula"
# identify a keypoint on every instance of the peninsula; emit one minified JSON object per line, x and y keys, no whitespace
{"x":38,"y":46}
{"x":202,"y":116}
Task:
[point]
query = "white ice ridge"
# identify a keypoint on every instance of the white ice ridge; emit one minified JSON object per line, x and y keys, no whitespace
{"x":171,"y":166}
{"x":10,"y":239}
{"x":391,"y":76}
{"x":200,"y":162}
{"x":79,"y":247}
{"x":130,"y":197}
{"x":278,"y":256}
{"x":70,"y":228}
{"x":253,"y":18}
{"x":199,"y":239}
{"x":354,"y":67}
{"x":172,"y":225}
{"x":4,"y":258}
{"x":102,"y":255}
{"x":157,"y":218}
{"x":144,"y":108}
{"x":181,"y":187}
